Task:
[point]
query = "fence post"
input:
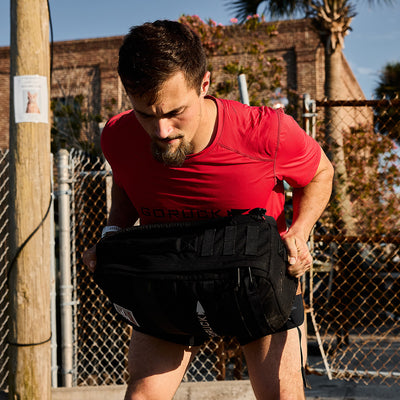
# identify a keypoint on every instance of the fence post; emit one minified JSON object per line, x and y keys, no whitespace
{"x":244,"y":96}
{"x":53,"y":293}
{"x":309,"y":115}
{"x":66,"y":288}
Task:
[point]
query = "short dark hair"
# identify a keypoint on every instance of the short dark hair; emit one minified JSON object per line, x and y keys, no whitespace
{"x":151,"y":53}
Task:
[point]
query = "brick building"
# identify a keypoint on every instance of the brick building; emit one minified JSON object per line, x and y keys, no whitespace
{"x":88,"y":68}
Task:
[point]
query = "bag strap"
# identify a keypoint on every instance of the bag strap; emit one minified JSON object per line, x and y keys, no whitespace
{"x":303,"y":370}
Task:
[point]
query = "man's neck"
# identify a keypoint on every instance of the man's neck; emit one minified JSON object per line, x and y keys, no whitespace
{"x":208,"y":126}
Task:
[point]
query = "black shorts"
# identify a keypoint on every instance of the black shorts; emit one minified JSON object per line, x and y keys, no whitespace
{"x":296,"y":318}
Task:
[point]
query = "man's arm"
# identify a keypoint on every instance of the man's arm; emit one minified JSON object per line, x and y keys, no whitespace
{"x":309,"y":203}
{"x":122,"y":214}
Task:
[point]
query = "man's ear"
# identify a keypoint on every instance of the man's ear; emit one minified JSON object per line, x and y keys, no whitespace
{"x":205,"y":84}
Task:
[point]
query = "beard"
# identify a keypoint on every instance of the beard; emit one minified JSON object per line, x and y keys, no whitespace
{"x":172,"y":156}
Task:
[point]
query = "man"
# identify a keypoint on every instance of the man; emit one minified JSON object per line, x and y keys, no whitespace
{"x":183,"y":155}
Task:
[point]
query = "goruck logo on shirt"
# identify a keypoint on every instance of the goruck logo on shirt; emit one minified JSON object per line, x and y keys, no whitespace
{"x":181,"y":214}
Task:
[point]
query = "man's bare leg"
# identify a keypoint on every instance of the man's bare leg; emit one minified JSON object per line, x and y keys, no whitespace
{"x":155,"y":367}
{"x":274,"y":365}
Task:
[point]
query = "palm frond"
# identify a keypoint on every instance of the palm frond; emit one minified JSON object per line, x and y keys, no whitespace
{"x":272,"y":8}
{"x":241,"y":9}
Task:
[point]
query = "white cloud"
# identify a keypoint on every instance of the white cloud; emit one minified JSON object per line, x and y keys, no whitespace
{"x":365,"y":71}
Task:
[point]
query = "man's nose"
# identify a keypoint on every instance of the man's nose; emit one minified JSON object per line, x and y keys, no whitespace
{"x":163,"y":128}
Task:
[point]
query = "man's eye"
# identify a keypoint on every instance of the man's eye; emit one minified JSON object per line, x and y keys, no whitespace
{"x":174,"y":114}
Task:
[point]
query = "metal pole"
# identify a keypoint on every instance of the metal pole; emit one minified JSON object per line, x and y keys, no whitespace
{"x":72,"y":241}
{"x":309,"y":115}
{"x":53,"y":294}
{"x":244,"y":96}
{"x":108,"y":187}
{"x":313,"y":119}
{"x":66,"y":287}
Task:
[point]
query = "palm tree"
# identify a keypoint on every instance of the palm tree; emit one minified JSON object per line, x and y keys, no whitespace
{"x":332,"y":19}
{"x":389,"y":87}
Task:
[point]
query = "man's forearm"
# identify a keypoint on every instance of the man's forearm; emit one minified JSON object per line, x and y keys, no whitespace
{"x":310,"y":202}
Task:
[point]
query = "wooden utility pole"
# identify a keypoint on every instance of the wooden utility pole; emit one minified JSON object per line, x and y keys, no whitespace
{"x":30,"y":193}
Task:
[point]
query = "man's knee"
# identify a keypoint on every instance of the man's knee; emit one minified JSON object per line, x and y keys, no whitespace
{"x":155,"y":367}
{"x":274,"y":364}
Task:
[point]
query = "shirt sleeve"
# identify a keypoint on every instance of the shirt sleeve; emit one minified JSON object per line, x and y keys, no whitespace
{"x":108,"y":144}
{"x":297,"y":156}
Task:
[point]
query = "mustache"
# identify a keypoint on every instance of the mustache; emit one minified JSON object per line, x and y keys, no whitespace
{"x":167,"y":139}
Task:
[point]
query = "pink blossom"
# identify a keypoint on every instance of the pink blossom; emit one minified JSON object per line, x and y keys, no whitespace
{"x":234,"y":20}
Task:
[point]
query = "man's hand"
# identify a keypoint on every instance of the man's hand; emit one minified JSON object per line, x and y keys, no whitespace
{"x":299,"y":256}
{"x":89,"y":258}
{"x":122,"y":214}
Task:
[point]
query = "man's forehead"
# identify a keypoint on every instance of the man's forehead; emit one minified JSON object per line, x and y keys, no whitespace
{"x":158,"y":109}
{"x":163,"y":101}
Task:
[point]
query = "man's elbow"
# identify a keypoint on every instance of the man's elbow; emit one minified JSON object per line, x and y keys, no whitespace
{"x":325,"y":171}
{"x":330,"y":173}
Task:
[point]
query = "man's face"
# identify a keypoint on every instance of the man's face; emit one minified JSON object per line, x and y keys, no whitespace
{"x":173,"y":121}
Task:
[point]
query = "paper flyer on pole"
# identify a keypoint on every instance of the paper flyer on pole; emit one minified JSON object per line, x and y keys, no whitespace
{"x":31,"y":101}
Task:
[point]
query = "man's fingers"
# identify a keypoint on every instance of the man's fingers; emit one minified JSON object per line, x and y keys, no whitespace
{"x":292,"y":251}
{"x":89,"y":258}
{"x":299,"y":257}
{"x":302,"y":265}
{"x":92,"y":266}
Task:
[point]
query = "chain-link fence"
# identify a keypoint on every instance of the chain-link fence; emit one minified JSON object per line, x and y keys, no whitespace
{"x":101,"y":341}
{"x":353,"y":293}
{"x":4,"y":191}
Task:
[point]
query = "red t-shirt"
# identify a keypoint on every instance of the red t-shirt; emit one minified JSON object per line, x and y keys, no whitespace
{"x":254,"y":150}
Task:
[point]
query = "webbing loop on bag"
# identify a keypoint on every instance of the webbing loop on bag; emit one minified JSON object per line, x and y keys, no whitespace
{"x":252,"y":240}
{"x":207,"y":249}
{"x":229,"y":240}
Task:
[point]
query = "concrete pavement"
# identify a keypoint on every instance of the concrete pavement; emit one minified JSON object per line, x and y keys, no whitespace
{"x":322,"y":389}
{"x":325,"y":389}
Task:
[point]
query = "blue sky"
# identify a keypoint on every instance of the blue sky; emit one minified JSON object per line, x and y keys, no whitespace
{"x":374,"y":41}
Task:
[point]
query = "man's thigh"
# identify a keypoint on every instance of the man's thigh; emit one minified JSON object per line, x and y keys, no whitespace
{"x":156,"y":367}
{"x":274,"y":365}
